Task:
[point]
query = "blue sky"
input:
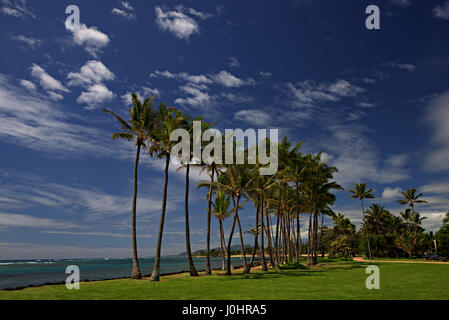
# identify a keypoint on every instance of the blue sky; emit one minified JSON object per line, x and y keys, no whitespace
{"x":375,"y":101}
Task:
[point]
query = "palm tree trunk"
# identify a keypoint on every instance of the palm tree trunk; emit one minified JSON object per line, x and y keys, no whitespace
{"x":309,"y":244}
{"x":366,"y":232}
{"x":209,"y":214}
{"x":321,"y":233}
{"x":228,"y":265}
{"x":241,"y":242}
{"x":192,"y":268}
{"x":262,"y":242}
{"x":157,"y":259}
{"x":223,"y":245}
{"x":135,"y":273}
{"x":270,"y":248}
{"x":278,"y":260}
{"x":315,"y":237}
{"x":250,"y":265}
{"x":298,"y":227}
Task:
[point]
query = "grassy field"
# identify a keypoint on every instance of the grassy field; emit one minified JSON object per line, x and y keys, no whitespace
{"x":341,"y":280}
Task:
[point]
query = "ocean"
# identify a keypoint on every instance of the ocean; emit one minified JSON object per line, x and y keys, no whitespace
{"x":22,"y":273}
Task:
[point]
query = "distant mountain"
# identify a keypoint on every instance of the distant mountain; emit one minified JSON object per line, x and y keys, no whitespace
{"x":235,"y":247}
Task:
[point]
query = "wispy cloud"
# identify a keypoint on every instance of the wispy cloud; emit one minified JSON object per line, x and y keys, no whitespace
{"x":30,"y":41}
{"x":402,"y":66}
{"x":16,"y":8}
{"x":196,"y":87}
{"x":10,"y":220}
{"x":233,"y":62}
{"x":309,"y":93}
{"x":125,"y":11}
{"x":42,"y":126}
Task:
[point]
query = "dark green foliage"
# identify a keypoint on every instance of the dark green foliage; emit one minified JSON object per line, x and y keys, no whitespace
{"x":442,"y":238}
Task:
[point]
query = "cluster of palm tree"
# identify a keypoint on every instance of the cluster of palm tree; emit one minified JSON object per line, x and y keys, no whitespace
{"x":388,"y":231}
{"x":300,"y":190}
{"x":301,"y":187}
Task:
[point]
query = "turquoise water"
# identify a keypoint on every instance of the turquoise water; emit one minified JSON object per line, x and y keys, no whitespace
{"x":17,"y":273}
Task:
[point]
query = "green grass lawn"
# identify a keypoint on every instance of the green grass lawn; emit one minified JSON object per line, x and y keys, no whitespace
{"x":344,"y":280}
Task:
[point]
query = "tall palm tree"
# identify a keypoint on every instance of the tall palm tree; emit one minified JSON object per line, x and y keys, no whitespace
{"x":411,"y":198}
{"x":168,"y":120}
{"x":138,"y":128}
{"x":210,"y":166}
{"x":188,"y":125}
{"x":361,"y":193}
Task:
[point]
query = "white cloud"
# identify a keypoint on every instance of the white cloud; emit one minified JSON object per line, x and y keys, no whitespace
{"x":126,"y":11}
{"x":255,"y":117}
{"x":229,"y":80}
{"x":55,"y":96}
{"x":438,"y":118}
{"x":91,"y":38}
{"x":47,"y":81}
{"x":95,"y":95}
{"x":343,"y":88}
{"x":144,"y":92}
{"x":91,"y":77}
{"x":197,"y":96}
{"x":30,"y":41}
{"x":402,"y":66}
{"x":390,"y":194}
{"x":28,"y":84}
{"x":179,"y":21}
{"x":92,"y":72}
{"x":441,"y":11}
{"x":265,"y":74}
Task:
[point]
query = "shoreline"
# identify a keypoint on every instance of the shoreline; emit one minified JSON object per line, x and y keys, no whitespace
{"x":255,"y":265}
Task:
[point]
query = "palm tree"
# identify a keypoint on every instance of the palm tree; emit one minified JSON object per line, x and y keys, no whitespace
{"x":188,"y":125}
{"x":220,"y":211}
{"x":236,"y":184}
{"x":406,"y":216}
{"x":375,"y":218}
{"x":446,"y":218}
{"x":361,"y":193}
{"x":137,"y":129}
{"x":411,"y":198}
{"x":168,"y":119}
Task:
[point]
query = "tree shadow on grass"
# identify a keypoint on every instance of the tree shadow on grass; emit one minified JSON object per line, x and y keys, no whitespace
{"x":295,"y":273}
